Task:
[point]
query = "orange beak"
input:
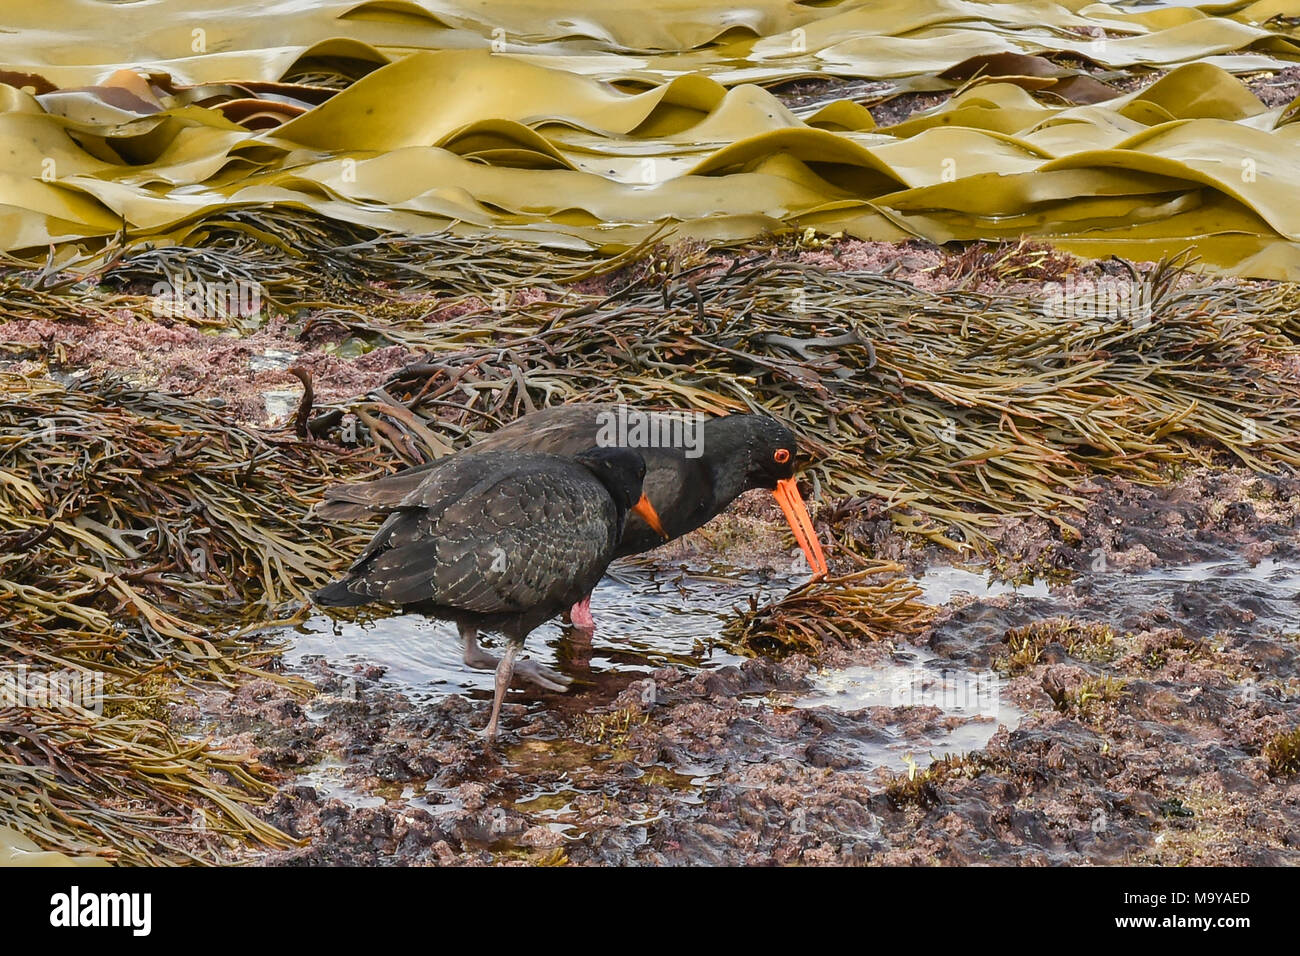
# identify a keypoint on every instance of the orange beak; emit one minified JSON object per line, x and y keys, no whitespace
{"x":649,"y":516}
{"x":787,"y":496}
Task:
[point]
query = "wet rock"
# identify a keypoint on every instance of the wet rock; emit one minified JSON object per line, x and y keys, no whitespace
{"x":1157,"y":702}
{"x":415,"y":830}
{"x":1238,"y":513}
{"x":836,"y":755}
{"x":1145,"y":749}
{"x":1270,"y":656}
{"x":392,"y":768}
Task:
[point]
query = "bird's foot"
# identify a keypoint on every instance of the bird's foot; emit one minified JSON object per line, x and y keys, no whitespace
{"x":480,"y":659}
{"x":530,"y":670}
{"x":580,"y":615}
{"x":544,"y":677}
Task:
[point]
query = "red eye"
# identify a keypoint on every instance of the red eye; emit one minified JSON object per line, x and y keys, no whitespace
{"x":781,"y":456}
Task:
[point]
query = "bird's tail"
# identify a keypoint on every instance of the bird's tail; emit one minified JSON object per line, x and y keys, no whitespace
{"x":337,"y":509}
{"x":375,"y":497}
{"x":346,"y":502}
{"x":339,"y":595}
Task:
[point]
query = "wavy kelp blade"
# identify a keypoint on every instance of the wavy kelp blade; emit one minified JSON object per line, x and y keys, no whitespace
{"x":505,"y":128}
{"x":202,"y":41}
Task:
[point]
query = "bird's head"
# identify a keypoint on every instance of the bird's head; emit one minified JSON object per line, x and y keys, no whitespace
{"x":622,"y":472}
{"x":768,"y":451}
{"x":764,"y":450}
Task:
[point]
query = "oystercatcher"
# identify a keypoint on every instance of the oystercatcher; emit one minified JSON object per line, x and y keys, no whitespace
{"x":696,"y":465}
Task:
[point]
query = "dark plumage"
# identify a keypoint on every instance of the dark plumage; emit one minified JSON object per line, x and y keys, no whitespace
{"x":736,"y":453}
{"x":499,"y":540}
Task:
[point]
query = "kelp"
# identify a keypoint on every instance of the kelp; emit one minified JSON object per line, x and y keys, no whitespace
{"x":299,"y":259}
{"x":205,"y":42}
{"x":956,"y":409}
{"x":137,"y":530}
{"x":878,"y":602}
{"x":104,"y":466}
{"x":441,"y":121}
{"x":121,"y":790}
{"x":959,"y":410}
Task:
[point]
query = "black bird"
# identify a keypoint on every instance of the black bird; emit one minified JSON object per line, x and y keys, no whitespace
{"x":500,"y":540}
{"x":695,"y":467}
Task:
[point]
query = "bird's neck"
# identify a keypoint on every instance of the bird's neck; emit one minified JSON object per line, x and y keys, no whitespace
{"x":618,"y":495}
{"x":724,"y":441}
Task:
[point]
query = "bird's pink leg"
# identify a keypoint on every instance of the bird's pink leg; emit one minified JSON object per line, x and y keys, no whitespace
{"x":580,"y":615}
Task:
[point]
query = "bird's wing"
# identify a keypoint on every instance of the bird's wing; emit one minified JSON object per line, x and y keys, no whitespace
{"x":562,"y":430}
{"x":424,"y":502}
{"x":507,"y":544}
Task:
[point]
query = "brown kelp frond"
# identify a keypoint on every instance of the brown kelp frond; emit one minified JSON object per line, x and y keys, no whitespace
{"x":879,"y":602}
{"x":136,"y":531}
{"x":125,"y":790}
{"x":296,"y":257}
{"x":958,"y":409}
{"x":112,"y":496}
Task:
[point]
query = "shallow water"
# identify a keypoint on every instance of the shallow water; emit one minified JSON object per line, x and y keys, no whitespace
{"x":1276,"y":575}
{"x":941,"y":583}
{"x":1267,"y":593}
{"x":327,"y":778}
{"x":650,"y":617}
{"x":914,"y":677}
{"x":646,"y":618}
{"x":911,"y":706}
{"x":1211,"y":596}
